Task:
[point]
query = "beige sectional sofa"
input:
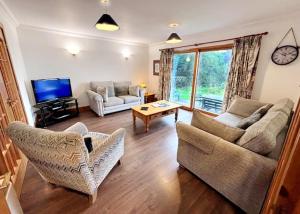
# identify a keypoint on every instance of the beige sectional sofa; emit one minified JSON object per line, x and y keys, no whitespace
{"x":241,"y":170}
{"x":119,"y":96}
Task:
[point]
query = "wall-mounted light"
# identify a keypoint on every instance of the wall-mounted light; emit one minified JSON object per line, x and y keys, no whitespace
{"x":73,"y":49}
{"x":126,"y":54}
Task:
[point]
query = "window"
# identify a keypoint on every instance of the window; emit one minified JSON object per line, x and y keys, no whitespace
{"x":182,"y":78}
{"x":201,"y":85}
{"x":211,"y":79}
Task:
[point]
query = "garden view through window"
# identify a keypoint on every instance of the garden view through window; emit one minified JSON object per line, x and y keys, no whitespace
{"x":210,"y":82}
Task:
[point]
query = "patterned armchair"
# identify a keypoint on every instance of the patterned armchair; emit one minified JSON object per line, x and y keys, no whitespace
{"x":62,"y":158}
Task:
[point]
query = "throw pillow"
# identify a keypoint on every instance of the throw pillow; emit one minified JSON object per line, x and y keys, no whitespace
{"x":134,"y":90}
{"x":253,"y":118}
{"x":244,"y":107}
{"x":103,"y":92}
{"x":212,"y":126}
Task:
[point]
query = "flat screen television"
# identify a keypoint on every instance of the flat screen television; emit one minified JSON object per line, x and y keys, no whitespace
{"x":51,"y":89}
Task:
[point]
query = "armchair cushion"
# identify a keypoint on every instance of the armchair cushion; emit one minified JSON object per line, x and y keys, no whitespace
{"x":103,"y":92}
{"x":216,"y":128}
{"x":130,"y":99}
{"x":134,"y":90}
{"x":113,"y":101}
{"x":244,"y":107}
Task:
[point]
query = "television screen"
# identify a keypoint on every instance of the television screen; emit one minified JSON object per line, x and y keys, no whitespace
{"x":51,"y":89}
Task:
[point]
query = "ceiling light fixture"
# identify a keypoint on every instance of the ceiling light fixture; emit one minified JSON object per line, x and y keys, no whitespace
{"x":173,"y":38}
{"x":106,"y":22}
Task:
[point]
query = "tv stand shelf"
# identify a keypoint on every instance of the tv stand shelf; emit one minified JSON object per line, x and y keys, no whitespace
{"x":52,"y":112}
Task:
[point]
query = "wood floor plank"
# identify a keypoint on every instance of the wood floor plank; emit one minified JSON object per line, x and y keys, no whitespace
{"x":149,"y":180}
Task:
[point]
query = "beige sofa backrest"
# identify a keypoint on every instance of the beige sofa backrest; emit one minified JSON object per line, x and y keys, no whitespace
{"x":108,"y":84}
{"x":268,"y":133}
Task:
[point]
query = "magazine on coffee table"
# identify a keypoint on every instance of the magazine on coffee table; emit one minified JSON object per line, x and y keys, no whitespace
{"x":157,"y":105}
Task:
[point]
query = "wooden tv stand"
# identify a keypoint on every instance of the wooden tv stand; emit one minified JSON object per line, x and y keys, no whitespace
{"x":55,"y":111}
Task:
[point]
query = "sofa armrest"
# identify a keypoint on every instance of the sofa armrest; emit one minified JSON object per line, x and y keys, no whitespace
{"x":197,"y":137}
{"x":96,"y":102}
{"x":94,"y":96}
{"x":79,"y":128}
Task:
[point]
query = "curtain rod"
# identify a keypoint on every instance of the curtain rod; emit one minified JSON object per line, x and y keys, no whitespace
{"x":222,"y":40}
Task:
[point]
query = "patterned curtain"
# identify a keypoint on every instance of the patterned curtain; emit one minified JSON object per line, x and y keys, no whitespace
{"x":166,"y":60}
{"x":243,"y":68}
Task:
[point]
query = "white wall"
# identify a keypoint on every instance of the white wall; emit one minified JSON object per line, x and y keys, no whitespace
{"x":272,"y":81}
{"x":11,"y":35}
{"x":45,"y":56}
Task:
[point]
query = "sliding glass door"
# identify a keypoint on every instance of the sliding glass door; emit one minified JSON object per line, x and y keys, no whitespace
{"x":212,"y":79}
{"x":199,"y":78}
{"x":182,"y":78}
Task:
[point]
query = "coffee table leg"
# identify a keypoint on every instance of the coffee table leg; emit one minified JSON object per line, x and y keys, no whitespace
{"x":147,"y":124}
{"x":176,"y":115}
{"x":134,"y":119}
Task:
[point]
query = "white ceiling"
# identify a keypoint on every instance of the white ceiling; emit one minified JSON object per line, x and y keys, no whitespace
{"x":146,"y":21}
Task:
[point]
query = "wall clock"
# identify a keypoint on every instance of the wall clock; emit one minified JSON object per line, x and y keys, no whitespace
{"x":284,"y":55}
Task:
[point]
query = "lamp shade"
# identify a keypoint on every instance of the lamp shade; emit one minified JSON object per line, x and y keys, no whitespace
{"x":174,"y":38}
{"x":107,"y":23}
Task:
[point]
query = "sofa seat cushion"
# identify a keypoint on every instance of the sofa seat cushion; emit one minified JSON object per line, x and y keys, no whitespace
{"x":113,"y":101}
{"x":261,"y":136}
{"x":229,"y":119}
{"x":284,"y":105}
{"x":208,"y":124}
{"x":130,"y":99}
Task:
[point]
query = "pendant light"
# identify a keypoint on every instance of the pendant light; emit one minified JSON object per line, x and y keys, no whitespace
{"x":173,"y":38}
{"x":106,"y":22}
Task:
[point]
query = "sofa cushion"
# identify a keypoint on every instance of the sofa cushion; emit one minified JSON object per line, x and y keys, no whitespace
{"x":244,"y":107}
{"x":253,"y":118}
{"x":130,"y":99}
{"x":122,"y":88}
{"x":208,"y":124}
{"x":284,"y":105}
{"x":134,"y":90}
{"x":229,"y":119}
{"x":103,"y":92}
{"x":261,"y":136}
{"x":108,"y":84}
{"x":113,"y":101}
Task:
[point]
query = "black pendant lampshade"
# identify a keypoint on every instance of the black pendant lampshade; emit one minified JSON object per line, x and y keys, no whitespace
{"x":174,"y":38}
{"x":107,"y":23}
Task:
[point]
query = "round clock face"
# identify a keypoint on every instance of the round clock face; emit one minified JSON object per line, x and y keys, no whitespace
{"x":285,"y":55}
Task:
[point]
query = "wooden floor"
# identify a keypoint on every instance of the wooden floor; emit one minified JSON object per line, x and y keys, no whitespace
{"x":148,"y":181}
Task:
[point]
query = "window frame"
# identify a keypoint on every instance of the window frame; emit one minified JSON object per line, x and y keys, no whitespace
{"x":197,"y":52}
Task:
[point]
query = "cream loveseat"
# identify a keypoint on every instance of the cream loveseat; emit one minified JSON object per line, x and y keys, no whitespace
{"x":107,"y":96}
{"x":240,"y":170}
{"x":62,"y":158}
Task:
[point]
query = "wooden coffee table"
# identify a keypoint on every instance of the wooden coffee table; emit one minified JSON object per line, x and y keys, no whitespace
{"x":154,"y":112}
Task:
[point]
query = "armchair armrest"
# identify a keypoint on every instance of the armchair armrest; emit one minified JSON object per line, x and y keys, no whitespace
{"x":79,"y":128}
{"x":116,"y":137}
